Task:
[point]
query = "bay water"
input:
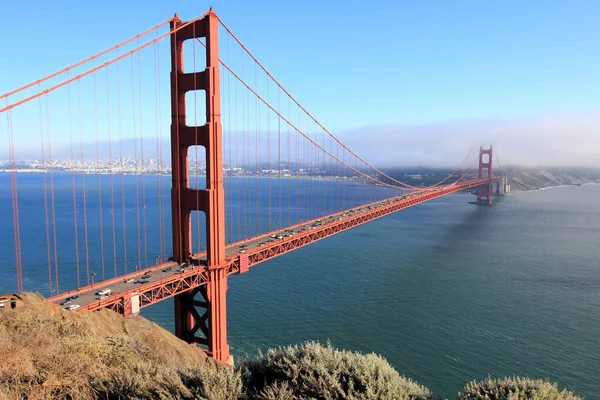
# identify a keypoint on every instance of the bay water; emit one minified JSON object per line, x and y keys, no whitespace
{"x":447,"y":292}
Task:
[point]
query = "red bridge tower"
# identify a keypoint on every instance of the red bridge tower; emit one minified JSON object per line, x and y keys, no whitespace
{"x":484,"y":192}
{"x":201,"y":310}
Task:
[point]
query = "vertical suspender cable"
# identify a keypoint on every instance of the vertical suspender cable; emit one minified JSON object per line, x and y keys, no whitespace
{"x":159,"y":256}
{"x":45,"y":199}
{"x":297,"y":172}
{"x":257,"y":155}
{"x":83,"y":187}
{"x":229,"y":137}
{"x":244,"y":152}
{"x":135,"y":165}
{"x":289,"y":184}
{"x":15,"y":202}
{"x":161,"y":195}
{"x":279,"y":160}
{"x":142,"y":164}
{"x":268,"y":162}
{"x":237,"y":163}
{"x":99,"y":171}
{"x":75,"y":227}
{"x":122,"y":175}
{"x":52,"y":193}
{"x":111,"y":179}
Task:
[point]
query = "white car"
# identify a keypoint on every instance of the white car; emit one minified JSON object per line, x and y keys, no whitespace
{"x":73,"y":307}
{"x":104,"y":292}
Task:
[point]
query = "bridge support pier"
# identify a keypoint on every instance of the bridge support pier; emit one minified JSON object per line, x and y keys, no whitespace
{"x":200,"y":316}
{"x":200,"y":311}
{"x":131,"y":306}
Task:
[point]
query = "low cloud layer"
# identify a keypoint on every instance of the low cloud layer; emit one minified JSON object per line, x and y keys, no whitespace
{"x":558,"y":139}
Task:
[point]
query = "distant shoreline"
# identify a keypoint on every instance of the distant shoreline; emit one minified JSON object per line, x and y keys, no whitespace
{"x":192,"y":175}
{"x":541,"y":189}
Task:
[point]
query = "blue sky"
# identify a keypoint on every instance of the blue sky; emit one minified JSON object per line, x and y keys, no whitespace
{"x":358,"y":65}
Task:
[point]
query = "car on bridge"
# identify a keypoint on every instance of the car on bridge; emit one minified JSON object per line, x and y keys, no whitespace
{"x":104,"y":292}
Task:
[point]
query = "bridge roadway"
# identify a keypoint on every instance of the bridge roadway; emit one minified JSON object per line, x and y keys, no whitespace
{"x":168,"y":279}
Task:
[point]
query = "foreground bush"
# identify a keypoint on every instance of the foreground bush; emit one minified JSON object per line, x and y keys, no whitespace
{"x":151,"y":381}
{"x":314,"y":371}
{"x":515,"y":389}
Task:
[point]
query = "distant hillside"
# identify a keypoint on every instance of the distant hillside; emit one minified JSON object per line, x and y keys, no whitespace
{"x":521,"y":179}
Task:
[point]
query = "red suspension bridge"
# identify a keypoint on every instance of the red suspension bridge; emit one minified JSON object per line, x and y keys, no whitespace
{"x":257,"y":181}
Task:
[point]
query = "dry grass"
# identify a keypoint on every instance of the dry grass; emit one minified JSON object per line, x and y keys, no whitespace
{"x":48,"y":352}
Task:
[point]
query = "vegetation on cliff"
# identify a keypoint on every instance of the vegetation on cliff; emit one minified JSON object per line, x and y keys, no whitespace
{"x":515,"y":389}
{"x":313,"y":371}
{"x":521,"y":179}
{"x":51,"y":353}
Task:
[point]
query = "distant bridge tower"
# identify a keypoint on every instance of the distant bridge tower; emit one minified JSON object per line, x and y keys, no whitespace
{"x":205,"y":316}
{"x":484,"y":192}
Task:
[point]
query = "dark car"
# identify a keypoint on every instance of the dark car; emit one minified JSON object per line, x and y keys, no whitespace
{"x":167,"y":269}
{"x":145,"y":276}
{"x":145,"y":281}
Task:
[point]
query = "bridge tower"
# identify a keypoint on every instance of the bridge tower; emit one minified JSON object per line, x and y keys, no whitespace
{"x":203,"y":310}
{"x":484,"y":192}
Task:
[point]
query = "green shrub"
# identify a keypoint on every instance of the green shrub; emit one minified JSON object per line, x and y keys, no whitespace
{"x":315,"y":371}
{"x":150,"y":381}
{"x":515,"y":389}
{"x":211,"y":384}
{"x":139,"y":380}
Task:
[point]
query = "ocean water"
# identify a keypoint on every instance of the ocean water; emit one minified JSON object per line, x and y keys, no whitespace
{"x":447,"y":292}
